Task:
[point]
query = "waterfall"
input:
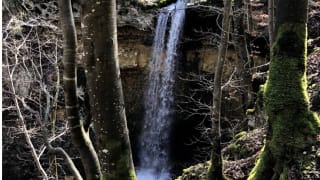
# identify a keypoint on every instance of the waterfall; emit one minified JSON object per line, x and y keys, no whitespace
{"x":158,"y":100}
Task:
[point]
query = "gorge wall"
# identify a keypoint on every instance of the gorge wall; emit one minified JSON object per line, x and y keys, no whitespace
{"x":198,"y":54}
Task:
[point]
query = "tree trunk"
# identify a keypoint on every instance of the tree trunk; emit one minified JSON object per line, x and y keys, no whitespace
{"x":271,"y":21}
{"x":240,"y":44}
{"x":79,"y":137}
{"x":249,"y":16}
{"x":216,"y":167}
{"x":105,"y":89}
{"x":292,"y":126}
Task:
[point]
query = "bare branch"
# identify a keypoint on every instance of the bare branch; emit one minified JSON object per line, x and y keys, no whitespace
{"x":22,"y":121}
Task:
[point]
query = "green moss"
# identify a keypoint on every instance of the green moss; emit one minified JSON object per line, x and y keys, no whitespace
{"x":292,"y":127}
{"x":233,"y":148}
{"x":286,"y":85}
{"x":237,"y":151}
{"x":213,"y":172}
{"x":122,"y":171}
{"x":289,"y":41}
{"x":239,"y":148}
{"x":259,"y":101}
{"x":250,"y":111}
{"x":196,"y":172}
{"x":282,"y":176}
{"x":240,"y":135}
{"x":263,"y":166}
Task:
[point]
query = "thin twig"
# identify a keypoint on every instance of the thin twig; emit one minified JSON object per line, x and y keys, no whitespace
{"x":24,"y":128}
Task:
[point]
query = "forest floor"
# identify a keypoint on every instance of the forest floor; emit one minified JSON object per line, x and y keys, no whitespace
{"x":240,"y":157}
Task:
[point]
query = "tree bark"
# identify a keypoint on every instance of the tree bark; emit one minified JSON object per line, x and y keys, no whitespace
{"x":240,"y":44}
{"x":105,"y":89}
{"x":292,"y":126}
{"x":216,"y":168}
{"x":249,"y":16}
{"x":271,"y":21}
{"x":79,"y":137}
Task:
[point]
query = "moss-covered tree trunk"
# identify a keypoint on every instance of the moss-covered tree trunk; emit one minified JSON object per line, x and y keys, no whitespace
{"x":105,"y":89}
{"x":216,"y":168}
{"x":80,"y":138}
{"x":292,"y":128}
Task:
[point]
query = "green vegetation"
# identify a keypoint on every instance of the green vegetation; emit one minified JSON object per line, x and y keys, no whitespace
{"x":238,"y":149}
{"x":196,"y":172}
{"x":292,"y":127}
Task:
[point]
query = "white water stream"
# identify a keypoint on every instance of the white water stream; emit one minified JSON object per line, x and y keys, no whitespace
{"x":158,"y":100}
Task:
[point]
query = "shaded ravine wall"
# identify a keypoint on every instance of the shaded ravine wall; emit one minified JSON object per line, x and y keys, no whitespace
{"x":198,"y":54}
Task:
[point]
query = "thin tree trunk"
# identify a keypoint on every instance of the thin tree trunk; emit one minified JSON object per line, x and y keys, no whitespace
{"x":240,"y":44}
{"x":288,"y":151}
{"x":271,"y":21}
{"x":216,"y":167}
{"x":249,"y":16}
{"x":79,"y":137}
{"x":105,"y":89}
{"x":53,"y":116}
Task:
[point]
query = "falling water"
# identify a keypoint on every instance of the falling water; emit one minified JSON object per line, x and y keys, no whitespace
{"x":154,"y":145}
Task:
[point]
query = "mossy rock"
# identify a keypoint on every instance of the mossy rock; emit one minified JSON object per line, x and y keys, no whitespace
{"x":196,"y":172}
{"x":233,"y":168}
{"x":244,"y":145}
